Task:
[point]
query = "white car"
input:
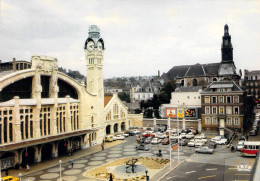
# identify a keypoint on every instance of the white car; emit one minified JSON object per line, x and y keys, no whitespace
{"x":191,"y":143}
{"x":203,"y":136}
{"x":156,"y":141}
{"x":120,"y":137}
{"x":221,"y":141}
{"x":160,"y":135}
{"x":201,"y":139}
{"x":216,"y":138}
{"x":174,"y":136}
{"x":124,"y":134}
{"x":135,"y":131}
{"x":114,"y":138}
{"x":182,"y":135}
{"x":240,"y":145}
{"x":199,"y":143}
{"x":190,"y":135}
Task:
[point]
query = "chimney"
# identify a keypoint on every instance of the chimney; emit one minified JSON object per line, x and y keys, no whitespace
{"x":158,"y":73}
{"x":14,"y":59}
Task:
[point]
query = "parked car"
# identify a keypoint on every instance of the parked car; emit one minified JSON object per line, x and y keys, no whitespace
{"x":149,"y":135}
{"x":156,"y":141}
{"x":135,"y":131}
{"x":174,"y":136}
{"x":120,"y":137}
{"x":204,"y":149}
{"x":183,"y":142}
{"x":174,"y":141}
{"x":160,"y":135}
{"x":124,"y":134}
{"x":200,"y":138}
{"x":240,"y":145}
{"x":109,"y":138}
{"x":221,"y":141}
{"x":190,"y":135}
{"x":143,"y":147}
{"x":191,"y":143}
{"x":216,"y":138}
{"x":182,"y":135}
{"x":203,"y":136}
{"x":10,"y":178}
{"x":212,"y":144}
{"x":165,"y":141}
{"x":199,"y":143}
{"x":148,"y":140}
{"x":243,"y":137}
{"x":114,"y":138}
{"x":149,"y":129}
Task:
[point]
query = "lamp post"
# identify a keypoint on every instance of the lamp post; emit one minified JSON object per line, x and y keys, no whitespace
{"x":0,"y":170}
{"x":170,"y":145}
{"x":20,"y":176}
{"x":60,"y":169}
{"x":146,"y":173}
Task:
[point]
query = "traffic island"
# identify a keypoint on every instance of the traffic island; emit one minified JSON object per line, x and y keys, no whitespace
{"x":128,"y":168}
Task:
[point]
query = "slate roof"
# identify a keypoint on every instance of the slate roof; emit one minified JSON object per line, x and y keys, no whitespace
{"x":223,"y":84}
{"x":192,"y":71}
{"x":253,"y":72}
{"x":189,"y":89}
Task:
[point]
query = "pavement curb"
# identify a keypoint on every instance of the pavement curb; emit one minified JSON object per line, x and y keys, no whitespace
{"x":166,"y":172}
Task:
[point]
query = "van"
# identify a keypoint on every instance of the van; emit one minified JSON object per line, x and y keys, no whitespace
{"x":109,"y":138}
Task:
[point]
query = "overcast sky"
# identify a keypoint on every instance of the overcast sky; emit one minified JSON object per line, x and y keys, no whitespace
{"x":141,"y":37}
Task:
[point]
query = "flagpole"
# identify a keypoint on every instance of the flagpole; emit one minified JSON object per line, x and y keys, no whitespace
{"x":178,"y":138}
{"x":169,"y":125}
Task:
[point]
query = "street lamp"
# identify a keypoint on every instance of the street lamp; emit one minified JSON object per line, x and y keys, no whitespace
{"x":60,"y":169}
{"x":20,"y":176}
{"x":146,"y":174}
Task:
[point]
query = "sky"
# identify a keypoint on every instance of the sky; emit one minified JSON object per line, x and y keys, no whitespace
{"x":141,"y":37}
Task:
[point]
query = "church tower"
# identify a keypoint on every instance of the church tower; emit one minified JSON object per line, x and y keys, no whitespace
{"x":226,"y":48}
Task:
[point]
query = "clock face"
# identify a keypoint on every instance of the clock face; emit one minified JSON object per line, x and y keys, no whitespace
{"x":99,"y":46}
{"x":90,"y":46}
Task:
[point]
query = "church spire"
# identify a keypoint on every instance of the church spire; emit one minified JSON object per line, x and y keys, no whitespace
{"x":226,"y":48}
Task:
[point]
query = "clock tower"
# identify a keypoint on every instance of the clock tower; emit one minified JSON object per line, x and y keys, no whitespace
{"x":226,"y":48}
{"x":94,"y":51}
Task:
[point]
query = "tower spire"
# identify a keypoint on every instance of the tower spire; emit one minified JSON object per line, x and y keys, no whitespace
{"x":226,"y":48}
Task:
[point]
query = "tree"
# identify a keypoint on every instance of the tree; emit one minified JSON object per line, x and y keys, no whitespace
{"x":124,"y":96}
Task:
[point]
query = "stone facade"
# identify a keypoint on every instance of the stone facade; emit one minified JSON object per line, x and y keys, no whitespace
{"x":50,"y":113}
{"x":222,"y":107}
{"x":252,"y":83}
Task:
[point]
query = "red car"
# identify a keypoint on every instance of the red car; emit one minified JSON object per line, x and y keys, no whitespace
{"x":149,"y":135}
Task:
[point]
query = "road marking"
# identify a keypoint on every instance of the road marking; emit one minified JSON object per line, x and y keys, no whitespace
{"x":189,"y":172}
{"x":241,"y":174}
{"x":207,"y":177}
{"x":208,"y":169}
{"x":233,"y":168}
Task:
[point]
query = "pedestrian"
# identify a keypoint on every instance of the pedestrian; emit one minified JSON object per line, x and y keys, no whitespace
{"x":110,"y":177}
{"x":71,"y":162}
{"x":27,"y":167}
{"x":102,"y":145}
{"x":6,"y":171}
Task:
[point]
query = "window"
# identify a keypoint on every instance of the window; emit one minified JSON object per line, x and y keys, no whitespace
{"x":228,"y":99}
{"x":236,"y":110}
{"x":229,"y":121}
{"x":214,"y":99}
{"x":214,"y":121}
{"x":207,"y":110}
{"x":221,"y":99}
{"x":207,"y":100}
{"x":236,"y":99}
{"x":236,"y":121}
{"x":188,"y":97}
{"x":214,"y":110}
{"x":207,"y":121}
{"x":221,"y":110}
{"x":229,"y":110}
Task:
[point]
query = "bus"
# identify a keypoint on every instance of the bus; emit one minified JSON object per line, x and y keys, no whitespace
{"x":251,"y":148}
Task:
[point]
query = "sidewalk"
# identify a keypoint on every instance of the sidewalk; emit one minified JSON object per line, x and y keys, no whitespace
{"x":166,"y":171}
{"x":55,"y":161}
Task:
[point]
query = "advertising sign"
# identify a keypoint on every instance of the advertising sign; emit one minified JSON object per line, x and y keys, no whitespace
{"x":180,"y":113}
{"x":190,"y":113}
{"x":170,"y":112}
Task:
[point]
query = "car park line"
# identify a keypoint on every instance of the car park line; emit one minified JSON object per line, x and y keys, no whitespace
{"x":209,"y":169}
{"x":190,"y":172}
{"x":207,"y":177}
